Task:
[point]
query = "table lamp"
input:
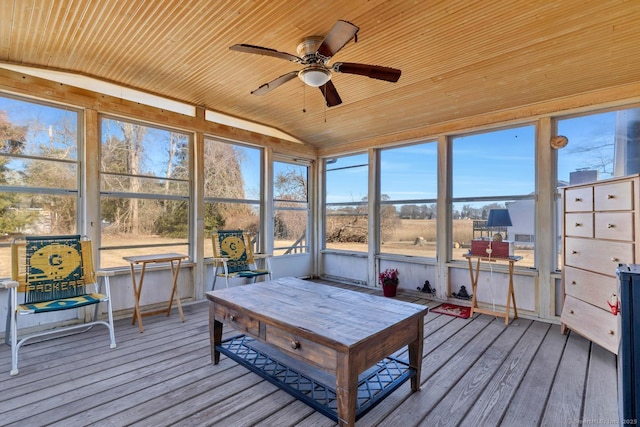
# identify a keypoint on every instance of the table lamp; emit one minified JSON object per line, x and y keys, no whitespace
{"x":499,"y":218}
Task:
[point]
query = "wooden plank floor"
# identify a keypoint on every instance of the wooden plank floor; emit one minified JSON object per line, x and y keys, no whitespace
{"x":475,"y":372}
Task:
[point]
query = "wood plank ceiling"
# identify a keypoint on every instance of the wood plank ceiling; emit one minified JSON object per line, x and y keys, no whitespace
{"x":458,"y":58}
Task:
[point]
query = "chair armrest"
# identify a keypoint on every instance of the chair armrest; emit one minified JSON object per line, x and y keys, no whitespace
{"x":105,"y":273}
{"x":8,"y":284}
{"x":262,"y":256}
{"x":220,"y":259}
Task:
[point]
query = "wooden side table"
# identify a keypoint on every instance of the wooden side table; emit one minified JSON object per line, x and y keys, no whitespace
{"x":474,"y":285}
{"x":171,"y":258}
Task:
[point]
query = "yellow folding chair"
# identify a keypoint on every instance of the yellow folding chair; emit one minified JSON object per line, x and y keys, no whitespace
{"x":232,"y":250}
{"x":53,"y":273}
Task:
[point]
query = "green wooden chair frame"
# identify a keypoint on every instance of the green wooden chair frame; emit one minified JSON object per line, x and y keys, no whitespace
{"x":232,"y":250}
{"x":53,"y":273}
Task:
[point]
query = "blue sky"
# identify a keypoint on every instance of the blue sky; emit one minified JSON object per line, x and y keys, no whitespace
{"x":497,"y":163}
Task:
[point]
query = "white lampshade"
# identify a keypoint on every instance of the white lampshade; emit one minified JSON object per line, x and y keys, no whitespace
{"x":315,"y":76}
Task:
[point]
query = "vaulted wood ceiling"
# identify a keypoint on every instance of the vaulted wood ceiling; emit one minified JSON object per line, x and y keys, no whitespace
{"x":458,"y":58}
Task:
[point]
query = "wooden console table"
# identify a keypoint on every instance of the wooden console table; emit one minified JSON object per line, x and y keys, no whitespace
{"x":474,"y":285}
{"x":335,"y":335}
{"x":171,"y":258}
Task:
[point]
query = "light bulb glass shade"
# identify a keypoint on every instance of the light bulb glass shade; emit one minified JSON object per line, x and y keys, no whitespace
{"x":315,"y":76}
{"x":499,"y":218}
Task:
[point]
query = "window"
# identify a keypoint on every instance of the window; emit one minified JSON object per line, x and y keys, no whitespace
{"x":145,"y":190}
{"x":39,"y":172}
{"x":291,"y":214}
{"x":408,"y":200}
{"x":232,"y":183}
{"x":601,"y":145}
{"x":494,"y":170}
{"x":346,"y":203}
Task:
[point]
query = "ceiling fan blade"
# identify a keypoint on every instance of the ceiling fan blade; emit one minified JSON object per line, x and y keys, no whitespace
{"x":268,"y":87}
{"x":373,"y":71}
{"x":339,"y":35}
{"x":330,"y":94}
{"x":247,"y":48}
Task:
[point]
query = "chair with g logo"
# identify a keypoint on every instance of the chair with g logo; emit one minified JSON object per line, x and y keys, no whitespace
{"x":54,"y":273}
{"x":232,"y":250}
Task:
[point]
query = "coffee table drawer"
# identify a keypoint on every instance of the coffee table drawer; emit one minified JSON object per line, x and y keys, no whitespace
{"x":310,"y":351}
{"x":239,"y":321}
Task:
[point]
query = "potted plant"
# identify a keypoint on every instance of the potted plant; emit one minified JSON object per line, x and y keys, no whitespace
{"x":389,"y":281}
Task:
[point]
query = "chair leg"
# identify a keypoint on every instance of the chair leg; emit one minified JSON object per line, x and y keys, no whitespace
{"x":14,"y":332}
{"x":215,"y":277}
{"x":7,"y":326}
{"x":226,"y":273}
{"x":112,"y":333}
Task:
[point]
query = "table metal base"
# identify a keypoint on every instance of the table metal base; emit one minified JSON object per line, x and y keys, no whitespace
{"x":374,"y":384}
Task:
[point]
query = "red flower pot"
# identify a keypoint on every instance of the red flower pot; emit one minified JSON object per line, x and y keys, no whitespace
{"x":389,"y":290}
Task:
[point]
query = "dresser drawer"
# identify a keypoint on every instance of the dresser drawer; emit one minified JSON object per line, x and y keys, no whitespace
{"x":593,"y":288}
{"x":599,"y":256}
{"x":617,"y":196}
{"x":309,"y":351}
{"x":578,"y":199}
{"x":595,"y":324}
{"x":614,"y":225}
{"x":579,"y":224}
{"x":241,"y":322}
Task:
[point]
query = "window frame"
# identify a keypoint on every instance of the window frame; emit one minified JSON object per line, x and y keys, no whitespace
{"x":490,"y":199}
{"x":299,"y":206}
{"x":356,"y":205}
{"x":256,"y":204}
{"x":402,"y":202}
{"x":188,"y":197}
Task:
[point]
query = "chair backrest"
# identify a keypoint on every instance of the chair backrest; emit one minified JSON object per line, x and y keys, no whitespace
{"x":234,"y":245}
{"x":52,"y":267}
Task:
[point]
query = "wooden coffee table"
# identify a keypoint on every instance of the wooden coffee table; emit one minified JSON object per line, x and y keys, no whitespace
{"x":328,"y":336}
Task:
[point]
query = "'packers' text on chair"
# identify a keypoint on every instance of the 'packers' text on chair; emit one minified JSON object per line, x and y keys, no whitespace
{"x":232,"y":250}
{"x":54,"y":273}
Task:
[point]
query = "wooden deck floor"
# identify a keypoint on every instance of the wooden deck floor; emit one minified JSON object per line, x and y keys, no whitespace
{"x":474,"y":373}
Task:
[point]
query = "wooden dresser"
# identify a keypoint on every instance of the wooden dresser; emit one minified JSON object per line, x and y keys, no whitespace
{"x":601,"y":230}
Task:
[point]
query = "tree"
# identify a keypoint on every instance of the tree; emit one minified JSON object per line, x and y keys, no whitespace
{"x":133,"y":137}
{"x":224,"y":181}
{"x":61,"y":210}
{"x":290,"y":190}
{"x":171,"y":221}
{"x":12,"y":141}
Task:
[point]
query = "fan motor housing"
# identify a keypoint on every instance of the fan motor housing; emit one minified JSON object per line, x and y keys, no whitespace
{"x":307,"y":50}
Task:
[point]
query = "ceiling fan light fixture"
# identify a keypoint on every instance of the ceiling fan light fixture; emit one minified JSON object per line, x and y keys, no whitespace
{"x":315,"y":76}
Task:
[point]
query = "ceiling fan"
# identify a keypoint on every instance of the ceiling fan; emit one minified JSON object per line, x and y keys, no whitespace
{"x":314,"y":53}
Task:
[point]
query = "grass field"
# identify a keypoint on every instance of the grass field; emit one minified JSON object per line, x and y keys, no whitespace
{"x":413,"y":237}
{"x":417,"y":237}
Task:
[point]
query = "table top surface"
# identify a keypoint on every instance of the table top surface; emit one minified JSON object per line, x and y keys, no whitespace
{"x":172,"y":256}
{"x":493,"y":258}
{"x":341,"y":315}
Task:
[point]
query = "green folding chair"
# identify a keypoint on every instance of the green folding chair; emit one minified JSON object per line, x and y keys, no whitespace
{"x":232,"y":250}
{"x":53,"y":273}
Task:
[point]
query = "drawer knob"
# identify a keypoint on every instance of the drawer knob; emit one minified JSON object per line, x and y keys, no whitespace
{"x":578,"y":199}
{"x":578,"y":224}
{"x":611,"y":196}
{"x":573,"y":282}
{"x":614,"y":259}
{"x":232,"y":318}
{"x":571,"y":312}
{"x":574,"y":252}
{"x":295,"y":344}
{"x":611,"y":226}
{"x":611,"y":332}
